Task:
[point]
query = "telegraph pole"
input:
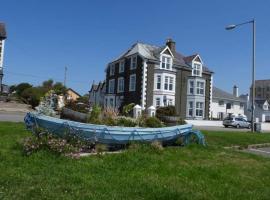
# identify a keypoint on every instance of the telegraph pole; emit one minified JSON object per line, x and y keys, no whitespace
{"x":65,"y":78}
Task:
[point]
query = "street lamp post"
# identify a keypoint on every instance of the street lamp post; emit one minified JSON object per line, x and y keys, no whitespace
{"x":230,"y":27}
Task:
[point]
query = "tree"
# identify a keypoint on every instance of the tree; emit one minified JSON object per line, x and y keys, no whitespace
{"x":48,"y":85}
{"x":21,"y":87}
{"x":59,"y":88}
{"x":32,"y":95}
{"x":84,"y":99}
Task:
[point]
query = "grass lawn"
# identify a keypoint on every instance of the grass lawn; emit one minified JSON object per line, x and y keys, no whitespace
{"x":192,"y":172}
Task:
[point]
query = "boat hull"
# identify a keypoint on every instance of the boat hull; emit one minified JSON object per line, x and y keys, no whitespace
{"x":106,"y":134}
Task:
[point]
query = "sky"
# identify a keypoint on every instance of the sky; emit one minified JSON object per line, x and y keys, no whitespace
{"x":46,"y":36}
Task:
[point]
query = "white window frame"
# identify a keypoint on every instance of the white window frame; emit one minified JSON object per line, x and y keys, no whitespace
{"x":197,"y":69}
{"x":122,"y":88}
{"x":121,"y":66}
{"x":132,"y":86}
{"x":199,"y":108}
{"x":191,"y":108}
{"x":170,"y":102}
{"x":168,"y":81}
{"x":189,"y":86}
{"x":158,"y":102}
{"x":112,"y":69}
{"x":167,"y":65}
{"x":200,"y":88}
{"x":158,"y":81}
{"x":171,"y":83}
{"x":133,"y":63}
{"x":111,"y":86}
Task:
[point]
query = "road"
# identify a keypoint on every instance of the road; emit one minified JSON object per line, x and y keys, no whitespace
{"x":12,"y":116}
{"x":221,"y":128}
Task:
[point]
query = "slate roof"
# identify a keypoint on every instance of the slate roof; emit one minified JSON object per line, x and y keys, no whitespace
{"x":94,"y":87}
{"x":221,"y":94}
{"x":260,"y":101}
{"x":152,"y":52}
{"x":262,"y":83}
{"x":3,"y":33}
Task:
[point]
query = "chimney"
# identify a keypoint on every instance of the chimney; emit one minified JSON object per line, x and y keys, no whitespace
{"x":235,"y":91}
{"x":171,"y":44}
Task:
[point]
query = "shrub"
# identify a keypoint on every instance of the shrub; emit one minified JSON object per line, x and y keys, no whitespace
{"x":109,"y":121}
{"x":110,"y":112}
{"x":181,"y":121}
{"x":152,"y":122}
{"x":83,"y":108}
{"x":156,"y":145}
{"x":123,"y":121}
{"x":166,"y":111}
{"x":128,"y":108}
{"x":21,"y":87}
{"x":44,"y":140}
{"x":95,"y":115}
{"x":100,"y":148}
{"x":32,"y":95}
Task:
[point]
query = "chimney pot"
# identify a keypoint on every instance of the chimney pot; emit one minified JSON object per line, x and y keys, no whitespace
{"x":171,"y":44}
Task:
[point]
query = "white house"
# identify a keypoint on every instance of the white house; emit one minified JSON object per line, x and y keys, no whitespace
{"x":224,"y":103}
{"x":96,"y":94}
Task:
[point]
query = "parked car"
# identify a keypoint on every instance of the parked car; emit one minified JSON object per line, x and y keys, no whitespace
{"x":237,"y":122}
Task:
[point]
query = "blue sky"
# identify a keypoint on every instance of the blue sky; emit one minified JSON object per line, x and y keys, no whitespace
{"x":45,"y":36}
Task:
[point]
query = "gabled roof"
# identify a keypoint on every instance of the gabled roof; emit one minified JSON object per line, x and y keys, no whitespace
{"x":189,"y":59}
{"x":74,"y":91}
{"x":94,"y":87}
{"x":3,"y":33}
{"x":261,"y":102}
{"x":152,"y":52}
{"x":221,"y":94}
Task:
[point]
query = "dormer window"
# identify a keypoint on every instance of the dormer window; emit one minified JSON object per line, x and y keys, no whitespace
{"x":166,"y":62}
{"x":197,"y":69}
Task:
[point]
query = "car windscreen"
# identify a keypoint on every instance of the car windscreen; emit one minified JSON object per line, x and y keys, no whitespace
{"x":228,"y":118}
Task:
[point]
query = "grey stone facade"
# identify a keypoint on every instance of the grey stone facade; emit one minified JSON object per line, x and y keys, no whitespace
{"x":162,"y":78}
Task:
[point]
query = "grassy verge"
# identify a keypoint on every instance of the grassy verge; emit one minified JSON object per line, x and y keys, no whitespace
{"x":192,"y":172}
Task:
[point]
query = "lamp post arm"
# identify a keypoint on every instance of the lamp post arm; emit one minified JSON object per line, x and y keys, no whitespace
{"x":248,"y":22}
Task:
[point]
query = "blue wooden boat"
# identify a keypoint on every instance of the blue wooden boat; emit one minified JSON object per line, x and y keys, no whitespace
{"x":110,"y":134}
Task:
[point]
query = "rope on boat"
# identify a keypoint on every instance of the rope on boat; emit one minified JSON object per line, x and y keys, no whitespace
{"x":31,"y":122}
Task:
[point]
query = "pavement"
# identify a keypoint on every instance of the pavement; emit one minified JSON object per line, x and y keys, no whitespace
{"x":13,"y":111}
{"x":264,"y":151}
{"x":12,"y":116}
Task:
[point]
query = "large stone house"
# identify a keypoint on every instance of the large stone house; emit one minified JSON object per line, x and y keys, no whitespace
{"x":3,"y":36}
{"x":149,"y":75}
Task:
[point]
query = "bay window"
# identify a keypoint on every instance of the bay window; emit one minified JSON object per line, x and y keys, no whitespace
{"x":158,"y":83}
{"x":190,"y":108}
{"x":168,"y":83}
{"x":199,"y":109}
{"x":200,"y":88}
{"x":191,"y":87}
{"x":158,"y":102}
